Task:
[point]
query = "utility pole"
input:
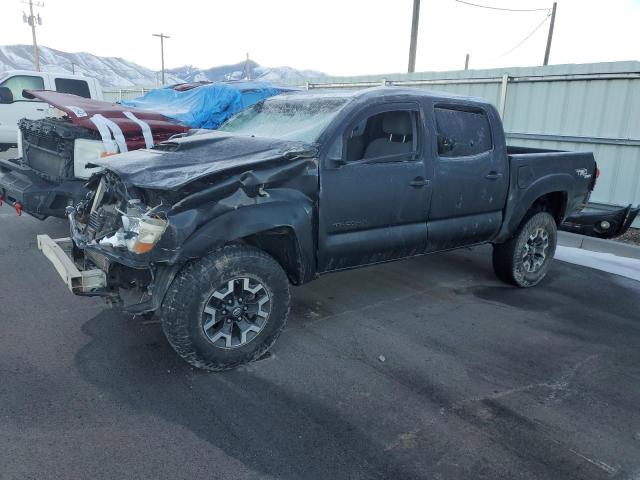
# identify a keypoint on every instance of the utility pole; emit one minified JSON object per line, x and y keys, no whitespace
{"x":466,"y":62}
{"x":162,"y":37}
{"x":550,"y":37}
{"x":247,"y":70}
{"x":32,"y":19}
{"x":414,"y":36}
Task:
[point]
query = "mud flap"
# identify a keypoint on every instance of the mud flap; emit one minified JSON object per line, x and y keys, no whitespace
{"x":601,"y":221}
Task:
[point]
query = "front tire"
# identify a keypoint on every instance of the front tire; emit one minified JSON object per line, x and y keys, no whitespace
{"x":524,"y":259}
{"x":226,"y":309}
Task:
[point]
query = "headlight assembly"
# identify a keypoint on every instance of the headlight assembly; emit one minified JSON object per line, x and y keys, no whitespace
{"x":147,"y":232}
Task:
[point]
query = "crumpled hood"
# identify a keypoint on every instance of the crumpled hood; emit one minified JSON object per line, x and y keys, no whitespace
{"x":80,"y":110}
{"x":178,"y":162}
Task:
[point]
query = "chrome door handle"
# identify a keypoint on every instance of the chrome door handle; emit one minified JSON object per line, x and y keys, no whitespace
{"x":493,"y":176}
{"x":419,"y":182}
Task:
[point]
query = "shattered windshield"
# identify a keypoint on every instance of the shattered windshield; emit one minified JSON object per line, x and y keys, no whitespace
{"x":301,"y":119}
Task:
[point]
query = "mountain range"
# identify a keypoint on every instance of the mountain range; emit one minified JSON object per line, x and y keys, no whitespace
{"x":117,"y":72}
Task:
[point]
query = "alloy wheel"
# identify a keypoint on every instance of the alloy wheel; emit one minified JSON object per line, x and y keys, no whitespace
{"x":236,"y":312}
{"x":535,"y":250}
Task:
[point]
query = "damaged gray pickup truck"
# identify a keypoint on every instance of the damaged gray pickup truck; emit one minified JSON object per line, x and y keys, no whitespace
{"x":210,"y":229}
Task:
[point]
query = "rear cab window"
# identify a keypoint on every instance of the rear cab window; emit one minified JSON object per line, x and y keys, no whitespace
{"x":73,"y":86}
{"x":18,"y":83}
{"x":462,"y":132}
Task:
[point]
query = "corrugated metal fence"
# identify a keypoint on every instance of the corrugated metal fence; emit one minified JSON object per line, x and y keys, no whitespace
{"x":588,"y":107}
{"x":124,"y":94}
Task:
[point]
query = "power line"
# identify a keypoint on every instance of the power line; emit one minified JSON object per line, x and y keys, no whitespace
{"x":524,"y":39}
{"x":504,"y":9}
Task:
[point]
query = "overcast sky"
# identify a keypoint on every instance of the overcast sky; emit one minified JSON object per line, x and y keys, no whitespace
{"x":339,"y":37}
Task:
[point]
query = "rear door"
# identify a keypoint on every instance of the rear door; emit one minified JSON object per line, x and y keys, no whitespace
{"x":471,"y":176}
{"x":74,"y":86}
{"x":374,"y":189}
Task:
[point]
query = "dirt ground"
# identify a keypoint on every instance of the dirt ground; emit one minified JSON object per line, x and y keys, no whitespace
{"x":632,"y":236}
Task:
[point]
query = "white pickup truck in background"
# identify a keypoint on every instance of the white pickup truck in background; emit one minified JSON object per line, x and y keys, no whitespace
{"x":14,"y":106}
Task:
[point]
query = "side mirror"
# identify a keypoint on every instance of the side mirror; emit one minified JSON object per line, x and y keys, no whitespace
{"x":337,"y":162}
{"x":445,"y":144}
{"x":6,"y":96}
{"x":334,"y":155}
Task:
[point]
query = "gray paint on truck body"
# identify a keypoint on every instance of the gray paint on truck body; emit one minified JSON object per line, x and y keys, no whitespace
{"x":224,"y":187}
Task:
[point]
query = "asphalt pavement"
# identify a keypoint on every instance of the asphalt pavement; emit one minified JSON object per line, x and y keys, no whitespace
{"x":426,"y":368}
{"x":11,"y":153}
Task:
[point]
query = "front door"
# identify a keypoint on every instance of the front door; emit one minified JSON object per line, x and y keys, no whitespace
{"x":374,"y":193}
{"x":12,"y":113}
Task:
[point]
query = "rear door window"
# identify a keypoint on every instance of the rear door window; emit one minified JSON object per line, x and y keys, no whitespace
{"x":73,"y":86}
{"x":18,"y":83}
{"x":462,"y":133}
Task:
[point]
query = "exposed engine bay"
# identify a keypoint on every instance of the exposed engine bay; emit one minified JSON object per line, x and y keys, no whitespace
{"x":115,"y":217}
{"x":118,"y":221}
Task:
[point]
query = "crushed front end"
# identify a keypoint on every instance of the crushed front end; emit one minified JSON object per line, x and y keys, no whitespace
{"x":149,"y":212}
{"x":114,"y":232}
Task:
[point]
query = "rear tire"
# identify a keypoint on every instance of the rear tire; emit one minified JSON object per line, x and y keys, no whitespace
{"x":524,"y":259}
{"x":226,"y":309}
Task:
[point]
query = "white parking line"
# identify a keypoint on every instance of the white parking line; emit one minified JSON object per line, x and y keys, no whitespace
{"x":607,"y":262}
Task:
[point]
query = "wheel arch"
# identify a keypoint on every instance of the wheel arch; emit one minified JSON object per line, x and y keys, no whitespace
{"x":283,"y":245}
{"x":554,"y":203}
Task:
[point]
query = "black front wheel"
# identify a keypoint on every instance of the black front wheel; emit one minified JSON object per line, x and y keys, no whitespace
{"x":524,"y":259}
{"x":226,"y":309}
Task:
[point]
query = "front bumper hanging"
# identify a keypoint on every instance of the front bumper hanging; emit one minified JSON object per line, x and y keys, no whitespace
{"x":59,"y":253}
{"x":602,"y":221}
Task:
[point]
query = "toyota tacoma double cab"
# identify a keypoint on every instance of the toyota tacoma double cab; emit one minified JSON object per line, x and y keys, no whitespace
{"x":209,"y":230}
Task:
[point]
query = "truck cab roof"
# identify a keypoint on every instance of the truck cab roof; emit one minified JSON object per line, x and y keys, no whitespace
{"x":367,"y":94}
{"x":11,"y":73}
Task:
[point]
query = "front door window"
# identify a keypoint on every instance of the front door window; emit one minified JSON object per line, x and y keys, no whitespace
{"x":18,"y":83}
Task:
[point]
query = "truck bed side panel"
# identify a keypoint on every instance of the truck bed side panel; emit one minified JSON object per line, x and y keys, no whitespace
{"x":533,"y":175}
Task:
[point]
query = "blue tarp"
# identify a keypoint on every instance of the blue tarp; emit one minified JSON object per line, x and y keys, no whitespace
{"x":206,"y":106}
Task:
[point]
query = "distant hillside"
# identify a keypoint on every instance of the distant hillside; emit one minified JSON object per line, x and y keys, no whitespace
{"x":120,"y":73}
{"x":237,"y":72}
{"x":111,"y":71}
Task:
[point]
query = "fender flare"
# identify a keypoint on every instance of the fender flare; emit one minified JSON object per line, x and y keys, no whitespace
{"x":253,"y":219}
{"x":519,"y":203}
